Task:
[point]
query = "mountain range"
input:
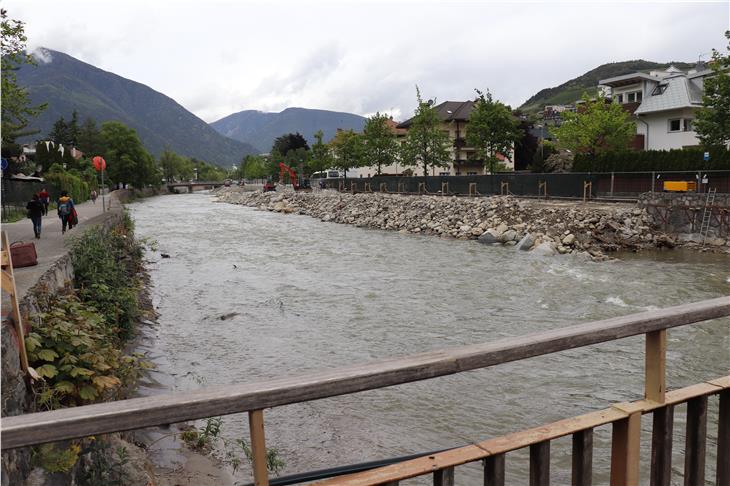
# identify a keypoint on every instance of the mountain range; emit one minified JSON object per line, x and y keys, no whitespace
{"x":571,"y":91}
{"x":260,"y":129}
{"x":67,"y":84}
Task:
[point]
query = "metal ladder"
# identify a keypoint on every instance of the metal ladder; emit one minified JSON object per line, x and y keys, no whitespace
{"x":707,"y":213}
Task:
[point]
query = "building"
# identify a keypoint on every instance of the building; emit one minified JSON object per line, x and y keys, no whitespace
{"x":454,"y":116}
{"x":663,"y":104}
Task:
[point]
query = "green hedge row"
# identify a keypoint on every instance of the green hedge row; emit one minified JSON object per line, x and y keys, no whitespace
{"x":652,"y":160}
{"x":77,"y":188}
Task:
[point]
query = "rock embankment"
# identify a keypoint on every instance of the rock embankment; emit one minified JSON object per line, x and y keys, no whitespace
{"x":499,"y":220}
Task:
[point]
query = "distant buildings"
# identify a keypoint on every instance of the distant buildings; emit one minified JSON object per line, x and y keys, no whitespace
{"x":663,"y":104}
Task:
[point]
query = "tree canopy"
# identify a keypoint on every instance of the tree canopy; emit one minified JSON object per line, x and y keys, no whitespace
{"x":290,"y":141}
{"x":16,"y":107}
{"x":127,"y":160}
{"x":321,"y":154}
{"x":381,"y":148}
{"x":712,"y":122}
{"x":492,"y":130}
{"x":347,"y":148}
{"x":425,"y":144}
{"x":597,"y":127}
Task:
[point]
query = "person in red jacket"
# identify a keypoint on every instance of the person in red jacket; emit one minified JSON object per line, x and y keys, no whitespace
{"x":45,"y":199}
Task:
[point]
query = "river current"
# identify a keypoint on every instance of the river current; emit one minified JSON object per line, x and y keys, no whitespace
{"x":248,"y":295}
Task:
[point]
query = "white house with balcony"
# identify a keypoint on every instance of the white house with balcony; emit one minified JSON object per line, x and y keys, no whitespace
{"x":663,"y":104}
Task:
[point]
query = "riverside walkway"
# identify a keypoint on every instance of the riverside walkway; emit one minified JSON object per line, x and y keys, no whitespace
{"x":53,"y":245}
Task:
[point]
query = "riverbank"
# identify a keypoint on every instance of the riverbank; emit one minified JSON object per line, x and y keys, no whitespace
{"x":546,"y":227}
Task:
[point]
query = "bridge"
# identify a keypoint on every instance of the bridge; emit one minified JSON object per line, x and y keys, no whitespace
{"x":624,"y":418}
{"x":192,"y":185}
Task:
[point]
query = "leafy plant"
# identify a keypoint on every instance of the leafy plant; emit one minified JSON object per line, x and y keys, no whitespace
{"x":203,"y":438}
{"x":274,"y":462}
{"x":105,"y":466}
{"x":74,"y":352}
{"x":56,"y":459}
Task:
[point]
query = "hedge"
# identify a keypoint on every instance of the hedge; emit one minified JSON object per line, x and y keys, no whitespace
{"x":653,"y":160}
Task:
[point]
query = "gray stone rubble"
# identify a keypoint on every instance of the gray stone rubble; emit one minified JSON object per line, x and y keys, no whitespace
{"x":498,"y":220}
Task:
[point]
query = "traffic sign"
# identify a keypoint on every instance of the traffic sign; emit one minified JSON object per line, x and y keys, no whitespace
{"x":707,"y":156}
{"x":4,"y":163}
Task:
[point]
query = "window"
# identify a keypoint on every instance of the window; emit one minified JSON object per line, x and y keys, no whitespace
{"x":620,"y":98}
{"x":444,"y":173}
{"x":631,"y":98}
{"x":659,"y":89}
{"x":471,"y":173}
{"x":687,"y":125}
{"x":639,"y":95}
{"x":675,"y":125}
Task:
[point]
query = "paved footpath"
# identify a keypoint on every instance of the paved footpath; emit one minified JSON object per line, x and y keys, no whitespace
{"x":53,"y":245}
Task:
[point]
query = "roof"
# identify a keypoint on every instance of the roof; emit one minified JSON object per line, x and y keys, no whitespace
{"x":627,"y":79}
{"x":448,"y":111}
{"x":680,"y":93}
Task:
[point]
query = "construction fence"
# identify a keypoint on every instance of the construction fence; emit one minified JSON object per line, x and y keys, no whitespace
{"x":565,"y":185}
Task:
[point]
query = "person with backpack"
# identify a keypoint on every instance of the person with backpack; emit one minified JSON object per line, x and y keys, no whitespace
{"x":65,"y":211}
{"x":45,"y":199}
{"x":93,"y":196}
{"x":35,"y":213}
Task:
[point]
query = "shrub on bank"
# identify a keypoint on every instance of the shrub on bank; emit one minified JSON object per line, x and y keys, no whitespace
{"x":78,"y":188}
{"x":653,"y":160}
{"x":106,"y":265}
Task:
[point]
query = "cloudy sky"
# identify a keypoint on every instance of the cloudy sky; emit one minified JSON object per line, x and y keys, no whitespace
{"x":218,"y":57}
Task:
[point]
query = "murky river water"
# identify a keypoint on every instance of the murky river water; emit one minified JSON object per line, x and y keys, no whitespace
{"x":310,"y":295}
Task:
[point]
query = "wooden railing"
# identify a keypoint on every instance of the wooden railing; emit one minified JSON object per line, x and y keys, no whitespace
{"x":37,"y":428}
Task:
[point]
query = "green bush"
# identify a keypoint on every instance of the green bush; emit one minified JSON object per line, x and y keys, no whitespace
{"x":653,"y":160}
{"x":74,"y":184}
{"x":106,"y":266}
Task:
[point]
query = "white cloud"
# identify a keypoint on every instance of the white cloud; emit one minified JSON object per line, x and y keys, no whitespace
{"x":219,"y":57}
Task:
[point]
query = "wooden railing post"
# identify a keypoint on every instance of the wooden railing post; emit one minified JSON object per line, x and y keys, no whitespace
{"x":695,"y":444}
{"x":540,"y":464}
{"x":258,"y":447}
{"x":494,"y":470}
{"x":655,"y":385}
{"x":444,"y":477}
{"x":444,"y":188}
{"x":661,"y":447}
{"x":625,"y":450}
{"x":582,"y":458}
{"x":723,"y":440}
{"x":472,"y":188}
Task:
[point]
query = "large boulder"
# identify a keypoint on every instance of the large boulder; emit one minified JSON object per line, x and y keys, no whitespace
{"x":544,"y":248}
{"x":526,"y":242}
{"x":489,"y":237}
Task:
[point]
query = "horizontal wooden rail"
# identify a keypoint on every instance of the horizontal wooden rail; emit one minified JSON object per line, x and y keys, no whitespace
{"x":136,"y":413}
{"x":524,"y":438}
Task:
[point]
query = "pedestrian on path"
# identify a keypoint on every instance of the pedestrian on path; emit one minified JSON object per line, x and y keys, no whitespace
{"x":65,"y":211}
{"x":93,"y":196}
{"x":45,"y":199}
{"x":35,"y":213}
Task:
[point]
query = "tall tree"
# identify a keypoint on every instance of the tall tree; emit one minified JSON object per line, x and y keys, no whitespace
{"x":171,"y":165}
{"x":16,"y":107}
{"x":321,"y":155}
{"x":425,"y":144}
{"x":381,"y":148}
{"x":60,"y":133}
{"x":596,"y":127}
{"x":347,"y":148}
{"x":712,"y":122}
{"x":89,"y":140}
{"x":290,"y":141}
{"x":127,"y":160}
{"x":492,"y":130}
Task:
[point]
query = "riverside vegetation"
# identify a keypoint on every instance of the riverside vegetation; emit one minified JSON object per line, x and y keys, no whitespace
{"x":77,"y":346}
{"x":545,"y":228}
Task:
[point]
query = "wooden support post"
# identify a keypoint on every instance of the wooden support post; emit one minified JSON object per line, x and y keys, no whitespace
{"x":661,"y":447}
{"x":504,"y":188}
{"x":540,"y":464}
{"x":611,"y":184}
{"x":341,"y":186}
{"x":401,"y":187}
{"x":542,"y":189}
{"x":444,"y":188}
{"x":383,"y":187}
{"x":723,"y":440}
{"x":472,"y":188}
{"x":625,"y":451}
{"x":655,"y":385}
{"x":695,"y":444}
{"x":582,"y":458}
{"x":8,"y":285}
{"x":353,"y":186}
{"x":444,"y":477}
{"x":494,"y":470}
{"x":258,"y":447}
{"x":587,"y":190}
{"x":367,"y":187}
{"x":421,"y":188}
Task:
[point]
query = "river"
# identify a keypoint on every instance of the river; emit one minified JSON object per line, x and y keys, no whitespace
{"x":309,"y":295}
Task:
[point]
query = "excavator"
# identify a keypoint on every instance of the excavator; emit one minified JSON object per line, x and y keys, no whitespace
{"x":302,"y":185}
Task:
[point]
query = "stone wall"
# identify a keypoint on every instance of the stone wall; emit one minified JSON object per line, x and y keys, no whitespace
{"x":682,"y":213}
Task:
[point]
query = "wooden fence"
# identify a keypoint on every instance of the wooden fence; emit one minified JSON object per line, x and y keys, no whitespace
{"x":37,"y":428}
